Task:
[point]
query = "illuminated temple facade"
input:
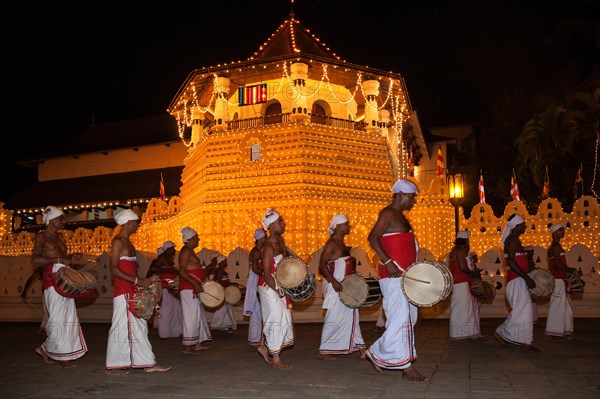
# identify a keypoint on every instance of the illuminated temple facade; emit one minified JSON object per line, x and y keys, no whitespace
{"x":296,"y":128}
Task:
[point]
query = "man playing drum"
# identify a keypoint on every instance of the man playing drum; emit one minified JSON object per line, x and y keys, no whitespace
{"x":222,"y":318}
{"x":559,"y":323}
{"x":64,"y":341}
{"x":517,"y":329}
{"x":128,"y":343}
{"x":277,"y":317}
{"x":191,"y":276}
{"x":169,"y":320}
{"x":464,"y":307}
{"x":393,"y":240}
{"x":341,"y":329}
{"x":251,"y":301}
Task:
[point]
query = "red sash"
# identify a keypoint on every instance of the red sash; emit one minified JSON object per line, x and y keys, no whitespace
{"x":199,"y":274}
{"x":48,"y":281}
{"x":523,"y":263}
{"x":167,"y":275}
{"x":401,"y":248}
{"x":556,"y":272}
{"x":458,"y":275}
{"x":121,"y":287}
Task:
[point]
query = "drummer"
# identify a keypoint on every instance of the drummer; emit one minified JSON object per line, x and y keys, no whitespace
{"x":341,"y":332}
{"x":64,"y":342}
{"x":191,"y":276}
{"x":517,"y":329}
{"x":393,"y":240}
{"x":170,"y":320}
{"x":559,"y":323}
{"x":277,"y":317}
{"x":222,"y":318}
{"x":464,"y":306}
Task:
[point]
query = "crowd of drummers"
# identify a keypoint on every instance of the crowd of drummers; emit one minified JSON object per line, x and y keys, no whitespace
{"x":188,"y":299}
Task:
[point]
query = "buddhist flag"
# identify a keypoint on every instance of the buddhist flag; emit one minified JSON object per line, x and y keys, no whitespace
{"x":578,"y":182}
{"x":514,"y":188}
{"x":439,"y":167}
{"x":162,"y":188}
{"x":546,"y":189}
{"x":481,"y":189}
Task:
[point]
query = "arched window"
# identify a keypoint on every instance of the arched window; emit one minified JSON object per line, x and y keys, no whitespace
{"x":255,"y":152}
{"x":318,"y":114}
{"x":273,"y":113}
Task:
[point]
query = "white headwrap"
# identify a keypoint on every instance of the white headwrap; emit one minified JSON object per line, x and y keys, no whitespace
{"x":337,"y":219}
{"x":160,"y":250}
{"x":512,"y":223}
{"x":555,"y":227}
{"x":466,"y":234}
{"x":187,"y":233}
{"x":269,"y":218}
{"x":258,"y":234}
{"x":51,"y":212}
{"x":125,"y":216}
{"x":167,"y":244}
{"x":220,"y":258}
{"x":528,"y":248}
{"x":405,"y":186}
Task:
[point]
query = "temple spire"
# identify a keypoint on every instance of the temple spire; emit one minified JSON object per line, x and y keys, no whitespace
{"x":292,"y":9}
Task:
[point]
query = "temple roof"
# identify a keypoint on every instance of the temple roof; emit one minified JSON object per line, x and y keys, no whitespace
{"x":291,"y":38}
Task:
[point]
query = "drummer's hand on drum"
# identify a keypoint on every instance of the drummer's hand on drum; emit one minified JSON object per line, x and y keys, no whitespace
{"x":198,"y":287}
{"x":393,"y":269}
{"x":529,"y":281}
{"x":144,"y":282}
{"x":337,"y":286}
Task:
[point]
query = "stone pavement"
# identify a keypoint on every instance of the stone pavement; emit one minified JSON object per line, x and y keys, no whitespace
{"x":233,"y":369}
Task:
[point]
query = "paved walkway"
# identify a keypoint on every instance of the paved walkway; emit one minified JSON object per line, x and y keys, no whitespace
{"x":233,"y":369}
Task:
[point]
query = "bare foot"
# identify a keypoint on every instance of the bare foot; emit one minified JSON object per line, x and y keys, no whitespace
{"x":41,"y":330}
{"x":363,"y":352}
{"x":262,"y":350}
{"x":324,"y":356}
{"x":375,"y":366}
{"x":201,"y":347}
{"x":281,"y":365}
{"x":570,"y":337}
{"x":41,"y":352}
{"x":116,"y":372}
{"x":68,"y":364}
{"x":156,"y":368}
{"x":412,"y":375}
{"x":498,"y":338}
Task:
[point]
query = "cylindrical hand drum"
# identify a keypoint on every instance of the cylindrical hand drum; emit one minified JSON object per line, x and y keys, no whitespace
{"x":360,"y":291}
{"x":73,"y":281}
{"x":544,"y":283}
{"x":235,"y":293}
{"x":295,"y":279}
{"x":144,"y":303}
{"x":427,"y":283}
{"x":489,"y":293}
{"x":576,"y":284}
{"x":213,"y":295}
{"x":476,"y":286}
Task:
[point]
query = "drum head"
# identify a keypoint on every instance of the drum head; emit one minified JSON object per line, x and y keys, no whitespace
{"x":544,"y":283}
{"x":355,"y":291}
{"x":213,"y":295}
{"x":291,"y":272}
{"x":427,"y":283}
{"x":233,"y":294}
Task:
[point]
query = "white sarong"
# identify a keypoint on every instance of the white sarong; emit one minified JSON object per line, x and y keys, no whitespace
{"x":341,"y":329}
{"x":464,"y":312}
{"x":222,"y":318}
{"x":128,"y":343}
{"x":518,"y":326}
{"x":169,"y":320}
{"x":64,"y":336}
{"x":252,"y":309}
{"x":560,"y":312}
{"x":195,"y":325}
{"x":395,"y":349}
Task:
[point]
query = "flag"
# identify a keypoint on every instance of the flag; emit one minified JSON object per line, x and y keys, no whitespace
{"x":578,"y":180}
{"x":439,"y":167}
{"x":546,"y":189}
{"x":481,"y":189}
{"x":514,"y":188}
{"x":411,"y":164}
{"x":162,"y":188}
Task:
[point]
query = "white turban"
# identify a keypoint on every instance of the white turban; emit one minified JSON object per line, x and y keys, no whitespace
{"x":337,"y":219}
{"x":405,"y":186}
{"x":125,"y":216}
{"x":187,"y":233}
{"x":528,"y":248}
{"x":167,"y":245}
{"x":466,"y":234}
{"x":555,"y":227}
{"x":51,"y":212}
{"x":270,"y":217}
{"x":258,"y":234}
{"x":512,"y":223}
{"x":160,"y":250}
{"x":220,"y":258}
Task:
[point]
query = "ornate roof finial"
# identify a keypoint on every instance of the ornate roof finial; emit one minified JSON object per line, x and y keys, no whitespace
{"x":292,"y":9}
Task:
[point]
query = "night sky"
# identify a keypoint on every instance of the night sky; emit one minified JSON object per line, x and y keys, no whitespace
{"x":70,"y":62}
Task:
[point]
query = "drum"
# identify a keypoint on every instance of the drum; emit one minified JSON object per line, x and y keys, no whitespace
{"x":213,"y":295}
{"x":488,"y":293}
{"x":476,"y":286}
{"x":426,"y":283}
{"x":544,"y":283}
{"x":74,"y":282}
{"x":575,"y":282}
{"x":173,"y":286}
{"x":144,"y":303}
{"x":360,"y":291}
{"x":295,"y":279}
{"x":235,"y":293}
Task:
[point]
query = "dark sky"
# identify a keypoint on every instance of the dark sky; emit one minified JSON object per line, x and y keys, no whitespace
{"x":66,"y":62}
